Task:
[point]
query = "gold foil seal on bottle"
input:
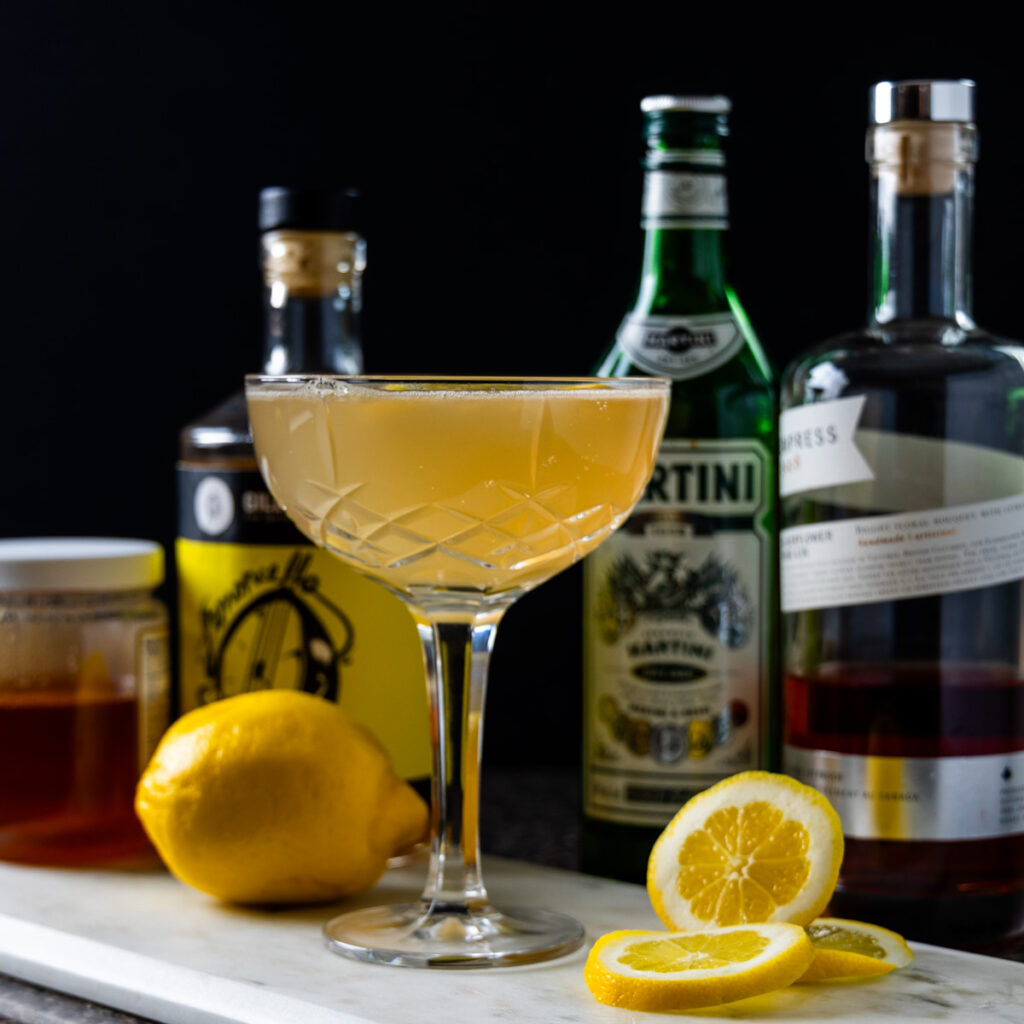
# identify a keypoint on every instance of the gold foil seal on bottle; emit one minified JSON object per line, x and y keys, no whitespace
{"x":311,"y":264}
{"x":921,"y":158}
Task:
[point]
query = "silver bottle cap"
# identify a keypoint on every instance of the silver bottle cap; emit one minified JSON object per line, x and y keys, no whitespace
{"x":922,"y":100}
{"x":698,"y":104}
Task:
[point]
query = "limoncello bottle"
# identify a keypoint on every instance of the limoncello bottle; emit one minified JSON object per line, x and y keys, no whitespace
{"x":258,"y":605}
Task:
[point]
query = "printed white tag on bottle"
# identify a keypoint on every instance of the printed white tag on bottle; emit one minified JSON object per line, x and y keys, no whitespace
{"x":685,"y":199}
{"x":680,"y":346}
{"x":910,"y":554}
{"x":817,"y":446}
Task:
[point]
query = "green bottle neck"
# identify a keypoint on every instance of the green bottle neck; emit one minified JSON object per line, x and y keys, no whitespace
{"x":683,"y":271}
{"x":685,"y":221}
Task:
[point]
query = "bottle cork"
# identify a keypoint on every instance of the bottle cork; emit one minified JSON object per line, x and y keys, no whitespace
{"x":920,"y":158}
{"x":311,"y":264}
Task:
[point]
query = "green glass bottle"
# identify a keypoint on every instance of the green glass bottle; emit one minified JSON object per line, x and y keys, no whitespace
{"x":680,"y":605}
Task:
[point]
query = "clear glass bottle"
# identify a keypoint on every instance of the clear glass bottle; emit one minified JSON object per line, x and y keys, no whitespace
{"x":902,"y":476}
{"x":84,"y":688}
{"x":258,"y":606}
{"x":679,"y":605}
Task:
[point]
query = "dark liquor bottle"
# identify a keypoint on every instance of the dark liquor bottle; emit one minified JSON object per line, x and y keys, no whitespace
{"x":679,"y":605}
{"x":902,"y":482}
{"x":259,"y":606}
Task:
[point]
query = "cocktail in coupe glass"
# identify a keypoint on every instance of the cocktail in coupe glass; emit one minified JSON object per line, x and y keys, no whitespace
{"x":459,"y":495}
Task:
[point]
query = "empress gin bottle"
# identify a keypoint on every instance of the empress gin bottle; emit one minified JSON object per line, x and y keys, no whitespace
{"x":902,"y":476}
{"x":258,"y":605}
{"x":679,"y":604}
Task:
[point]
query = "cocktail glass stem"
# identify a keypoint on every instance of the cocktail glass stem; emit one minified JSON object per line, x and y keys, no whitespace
{"x":454,"y":923}
{"x":457,"y":655}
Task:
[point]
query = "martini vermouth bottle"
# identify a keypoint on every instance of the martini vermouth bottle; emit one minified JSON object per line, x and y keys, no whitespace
{"x":258,"y":605}
{"x":679,"y":605}
{"x":902,"y":548}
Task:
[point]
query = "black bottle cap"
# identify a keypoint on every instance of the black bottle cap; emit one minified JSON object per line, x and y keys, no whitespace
{"x":302,"y":208}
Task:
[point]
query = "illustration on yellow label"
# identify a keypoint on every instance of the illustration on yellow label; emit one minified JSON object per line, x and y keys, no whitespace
{"x":254,"y":616}
{"x":275,"y":628}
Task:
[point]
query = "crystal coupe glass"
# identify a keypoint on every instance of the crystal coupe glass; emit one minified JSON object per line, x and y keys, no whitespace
{"x":459,"y":495}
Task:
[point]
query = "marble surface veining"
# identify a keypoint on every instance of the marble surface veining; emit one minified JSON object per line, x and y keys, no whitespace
{"x":142,"y":942}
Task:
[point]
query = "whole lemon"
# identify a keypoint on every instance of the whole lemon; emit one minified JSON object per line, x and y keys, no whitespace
{"x":275,"y":796}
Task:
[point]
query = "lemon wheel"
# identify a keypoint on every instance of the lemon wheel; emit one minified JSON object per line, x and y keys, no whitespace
{"x":756,"y":847}
{"x":640,"y":970}
{"x":853,"y":949}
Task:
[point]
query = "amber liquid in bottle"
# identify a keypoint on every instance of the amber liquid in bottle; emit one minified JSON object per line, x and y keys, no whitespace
{"x":964,"y":891}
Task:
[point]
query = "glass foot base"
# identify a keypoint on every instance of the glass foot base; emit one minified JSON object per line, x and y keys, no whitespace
{"x":416,"y":935}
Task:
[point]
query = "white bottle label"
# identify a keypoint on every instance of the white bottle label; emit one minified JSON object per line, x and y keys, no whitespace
{"x":685,"y":199}
{"x":826,"y":456}
{"x":945,"y":516}
{"x":675,"y":634}
{"x":910,"y":554}
{"x":680,"y":347}
{"x":817,"y":447}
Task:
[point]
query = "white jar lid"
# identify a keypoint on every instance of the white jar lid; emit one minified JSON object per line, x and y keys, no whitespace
{"x":53,"y":564}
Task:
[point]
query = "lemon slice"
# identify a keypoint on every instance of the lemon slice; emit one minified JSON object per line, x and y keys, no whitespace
{"x":644,"y":970}
{"x":754,"y":847}
{"x":853,"y":949}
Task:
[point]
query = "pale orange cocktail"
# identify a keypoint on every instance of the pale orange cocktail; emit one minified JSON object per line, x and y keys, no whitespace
{"x":433,"y":487}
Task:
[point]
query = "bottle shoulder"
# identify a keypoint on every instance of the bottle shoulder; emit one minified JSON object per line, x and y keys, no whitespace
{"x":910,"y":357}
{"x":711,"y":344}
{"x":722,"y":382}
{"x":221,"y":433}
{"x":736,"y":400}
{"x":967,"y":389}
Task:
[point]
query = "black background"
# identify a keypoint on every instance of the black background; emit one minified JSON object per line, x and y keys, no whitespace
{"x":498,"y":148}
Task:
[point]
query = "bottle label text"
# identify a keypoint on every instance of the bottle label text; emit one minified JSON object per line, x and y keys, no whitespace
{"x":817,"y":446}
{"x":911,"y":554}
{"x":675,"y":653}
{"x":680,"y":347}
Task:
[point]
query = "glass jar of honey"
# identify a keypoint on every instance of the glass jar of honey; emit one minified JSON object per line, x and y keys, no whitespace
{"x":83,"y":695}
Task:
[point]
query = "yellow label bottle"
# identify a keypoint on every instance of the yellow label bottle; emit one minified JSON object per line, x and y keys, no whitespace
{"x":258,"y":606}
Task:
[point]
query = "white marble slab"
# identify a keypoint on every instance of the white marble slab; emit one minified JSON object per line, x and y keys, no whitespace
{"x":141,"y":942}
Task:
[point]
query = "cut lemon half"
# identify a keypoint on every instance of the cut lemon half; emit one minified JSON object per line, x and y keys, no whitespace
{"x":644,"y":970}
{"x":853,"y":949}
{"x":754,"y":847}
